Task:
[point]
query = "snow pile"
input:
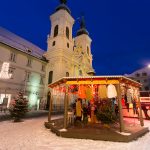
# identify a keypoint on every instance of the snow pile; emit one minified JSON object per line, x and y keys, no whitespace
{"x":32,"y":135}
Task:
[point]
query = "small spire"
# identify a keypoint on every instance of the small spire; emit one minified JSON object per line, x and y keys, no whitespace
{"x":82,"y":23}
{"x":63,"y":1}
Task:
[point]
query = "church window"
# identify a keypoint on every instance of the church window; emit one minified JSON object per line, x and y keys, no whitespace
{"x":54,"y":43}
{"x":50,"y":77}
{"x":67,"y":32}
{"x":56,"y":31}
{"x":88,"y":52}
{"x":80,"y":72}
{"x":67,"y":74}
{"x":68,"y":45}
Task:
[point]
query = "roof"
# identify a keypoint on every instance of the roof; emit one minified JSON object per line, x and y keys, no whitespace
{"x":92,"y":78}
{"x":64,"y":7}
{"x":142,"y":70}
{"x":13,"y":40}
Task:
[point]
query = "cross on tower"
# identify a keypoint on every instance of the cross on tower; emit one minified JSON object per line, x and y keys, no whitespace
{"x":63,"y":1}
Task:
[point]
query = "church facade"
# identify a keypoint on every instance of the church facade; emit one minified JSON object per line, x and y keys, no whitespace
{"x":33,"y":69}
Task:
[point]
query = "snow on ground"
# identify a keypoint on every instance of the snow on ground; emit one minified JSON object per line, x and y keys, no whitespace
{"x":32,"y":135}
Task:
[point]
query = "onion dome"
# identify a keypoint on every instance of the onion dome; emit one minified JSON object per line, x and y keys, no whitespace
{"x":82,"y":29}
{"x":63,"y":6}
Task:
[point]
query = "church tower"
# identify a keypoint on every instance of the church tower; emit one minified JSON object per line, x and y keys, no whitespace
{"x":83,"y":41}
{"x":60,"y":43}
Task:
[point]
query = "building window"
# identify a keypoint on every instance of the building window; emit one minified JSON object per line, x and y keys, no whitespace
{"x":28,"y":50}
{"x":11,"y":71}
{"x":29,"y":62}
{"x":56,"y":31}
{"x":146,"y":88}
{"x":68,"y":45}
{"x":41,"y":80}
{"x":67,"y":32}
{"x":50,"y":79}
{"x":54,"y":43}
{"x":88,"y":51}
{"x":137,"y":75}
{"x":27,"y":76}
{"x":13,"y":57}
{"x":67,"y":74}
{"x":138,"y":81}
{"x":145,"y":80}
{"x":144,"y":74}
{"x":43,"y":68}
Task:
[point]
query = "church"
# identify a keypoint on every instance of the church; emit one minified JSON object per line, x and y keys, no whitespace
{"x":30,"y":69}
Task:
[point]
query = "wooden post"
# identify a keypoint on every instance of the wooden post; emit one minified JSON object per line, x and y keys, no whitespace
{"x":50,"y":108}
{"x":140,"y":112}
{"x":66,"y":108}
{"x":120,"y":108}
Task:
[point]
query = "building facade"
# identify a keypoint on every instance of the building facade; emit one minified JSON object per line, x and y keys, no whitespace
{"x":31,"y":69}
{"x":24,"y":64}
{"x":142,"y":76}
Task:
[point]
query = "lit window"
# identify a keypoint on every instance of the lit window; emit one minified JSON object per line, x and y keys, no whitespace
{"x":13,"y":57}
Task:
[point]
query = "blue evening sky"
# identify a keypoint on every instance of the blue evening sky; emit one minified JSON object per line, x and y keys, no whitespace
{"x":120,"y":29}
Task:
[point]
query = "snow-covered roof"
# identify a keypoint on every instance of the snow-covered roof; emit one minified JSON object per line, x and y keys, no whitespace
{"x":117,"y":77}
{"x":20,"y":44}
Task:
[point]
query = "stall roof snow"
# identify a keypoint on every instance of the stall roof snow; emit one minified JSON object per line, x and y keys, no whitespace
{"x":111,"y":79}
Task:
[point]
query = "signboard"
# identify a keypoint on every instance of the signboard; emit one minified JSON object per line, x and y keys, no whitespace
{"x":4,"y":73}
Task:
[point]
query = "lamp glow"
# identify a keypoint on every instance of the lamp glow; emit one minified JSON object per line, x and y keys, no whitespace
{"x":4,"y":71}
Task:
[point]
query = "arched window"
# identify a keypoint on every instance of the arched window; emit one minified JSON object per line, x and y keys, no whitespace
{"x":67,"y":74}
{"x":88,"y":51}
{"x":50,"y":79}
{"x":67,"y":32}
{"x":56,"y":31}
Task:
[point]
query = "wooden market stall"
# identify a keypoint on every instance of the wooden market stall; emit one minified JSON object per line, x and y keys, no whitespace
{"x":120,"y":86}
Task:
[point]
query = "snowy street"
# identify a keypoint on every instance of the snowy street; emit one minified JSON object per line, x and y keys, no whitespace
{"x":32,"y":135}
